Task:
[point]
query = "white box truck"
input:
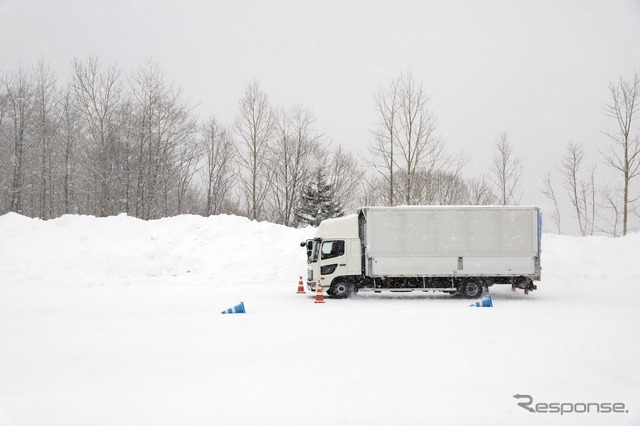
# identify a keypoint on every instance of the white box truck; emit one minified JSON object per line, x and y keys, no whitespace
{"x":455,"y":249}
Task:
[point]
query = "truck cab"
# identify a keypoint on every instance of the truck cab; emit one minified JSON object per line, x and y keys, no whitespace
{"x":334,"y":256}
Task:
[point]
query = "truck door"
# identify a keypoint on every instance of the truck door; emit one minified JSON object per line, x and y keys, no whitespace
{"x":332,"y":258}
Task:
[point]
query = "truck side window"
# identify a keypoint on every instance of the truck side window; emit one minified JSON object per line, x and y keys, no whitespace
{"x":332,"y":249}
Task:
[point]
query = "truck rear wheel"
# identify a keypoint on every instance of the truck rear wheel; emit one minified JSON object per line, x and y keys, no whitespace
{"x":340,"y":290}
{"x":471,"y":289}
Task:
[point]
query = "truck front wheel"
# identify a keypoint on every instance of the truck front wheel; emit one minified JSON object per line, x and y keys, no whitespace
{"x":340,"y":290}
{"x":471,"y":289}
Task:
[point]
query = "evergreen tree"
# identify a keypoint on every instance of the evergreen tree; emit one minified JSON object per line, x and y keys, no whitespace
{"x":317,"y":202}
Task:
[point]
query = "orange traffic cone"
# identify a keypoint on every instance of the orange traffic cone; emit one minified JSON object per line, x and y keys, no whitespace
{"x":319,"y":296}
{"x":301,"y":287}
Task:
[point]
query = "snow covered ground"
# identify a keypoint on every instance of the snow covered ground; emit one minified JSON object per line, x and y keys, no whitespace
{"x":116,"y":321}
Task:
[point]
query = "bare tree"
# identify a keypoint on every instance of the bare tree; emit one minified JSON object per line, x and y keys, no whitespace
{"x":570,"y":169}
{"x":296,"y":144}
{"x":385,"y":136}
{"x":405,"y":143}
{"x":151,"y":147}
{"x":480,"y":193}
{"x":179,"y":180}
{"x":371,"y":191}
{"x":164,"y":145}
{"x":624,"y":151}
{"x":98,"y":95}
{"x":589,"y":192}
{"x":374,"y":190}
{"x":449,"y":189}
{"x":70,"y":134}
{"x":19,"y":113}
{"x":610,"y":202}
{"x":418,"y":145}
{"x":46,"y":125}
{"x":439,"y":185}
{"x":507,"y":171}
{"x":549,"y":192}
{"x":218,"y":149}
{"x":345,"y":177}
{"x":254,"y":127}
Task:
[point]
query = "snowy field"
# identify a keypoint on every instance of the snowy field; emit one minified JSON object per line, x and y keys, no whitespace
{"x":116,"y":321}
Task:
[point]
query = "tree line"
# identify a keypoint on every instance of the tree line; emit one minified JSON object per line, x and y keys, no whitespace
{"x":108,"y":142}
{"x":413,"y":167}
{"x":611,"y":207}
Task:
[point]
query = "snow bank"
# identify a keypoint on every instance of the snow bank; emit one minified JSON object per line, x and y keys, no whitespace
{"x":187,"y":250}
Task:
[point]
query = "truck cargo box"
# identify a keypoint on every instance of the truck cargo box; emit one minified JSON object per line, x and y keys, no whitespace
{"x":457,"y":241}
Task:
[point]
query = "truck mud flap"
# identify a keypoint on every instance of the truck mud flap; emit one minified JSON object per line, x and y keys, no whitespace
{"x":524,"y":283}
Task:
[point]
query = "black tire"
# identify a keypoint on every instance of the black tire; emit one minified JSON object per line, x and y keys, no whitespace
{"x":341,"y":290}
{"x":471,"y":289}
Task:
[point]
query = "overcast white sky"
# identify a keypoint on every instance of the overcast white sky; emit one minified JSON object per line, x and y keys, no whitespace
{"x":536,"y":69}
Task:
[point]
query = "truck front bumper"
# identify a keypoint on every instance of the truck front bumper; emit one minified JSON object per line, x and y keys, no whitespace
{"x":311,"y":286}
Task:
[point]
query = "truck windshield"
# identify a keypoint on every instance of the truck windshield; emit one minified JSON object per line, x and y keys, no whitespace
{"x":315,"y":247}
